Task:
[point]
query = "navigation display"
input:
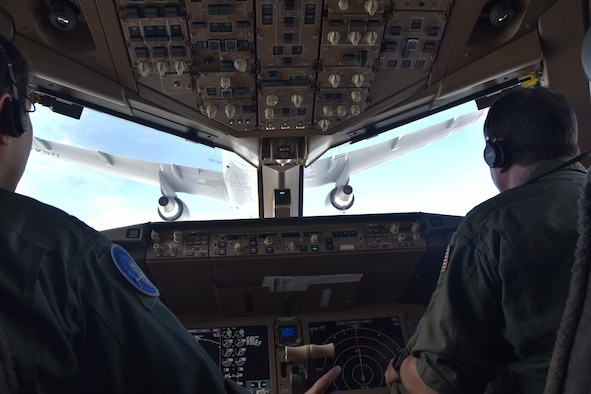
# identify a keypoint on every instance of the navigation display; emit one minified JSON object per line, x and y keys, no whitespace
{"x":363,"y":348}
{"x":241,"y":352}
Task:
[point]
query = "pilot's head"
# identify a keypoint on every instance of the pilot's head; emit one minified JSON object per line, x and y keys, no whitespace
{"x":526,"y":126}
{"x":15,"y":125}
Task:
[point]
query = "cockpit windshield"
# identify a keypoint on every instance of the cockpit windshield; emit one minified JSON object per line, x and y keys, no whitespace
{"x":110,"y":172}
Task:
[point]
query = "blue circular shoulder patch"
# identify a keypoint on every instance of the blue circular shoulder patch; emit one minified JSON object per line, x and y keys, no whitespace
{"x":132,"y":272}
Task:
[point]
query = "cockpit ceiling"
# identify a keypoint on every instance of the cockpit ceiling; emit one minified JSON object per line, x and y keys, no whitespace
{"x":287,"y":66}
{"x":234,"y":72}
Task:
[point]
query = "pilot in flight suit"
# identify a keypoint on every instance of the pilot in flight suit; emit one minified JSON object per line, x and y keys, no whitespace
{"x":77,"y":315}
{"x":61,"y":283}
{"x":505,"y":277}
{"x":487,"y":308}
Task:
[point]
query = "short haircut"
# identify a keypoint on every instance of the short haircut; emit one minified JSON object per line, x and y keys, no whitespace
{"x":21,"y":69}
{"x":535,"y":123}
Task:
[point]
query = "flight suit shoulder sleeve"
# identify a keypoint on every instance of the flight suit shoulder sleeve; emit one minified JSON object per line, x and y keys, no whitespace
{"x":135,"y":338}
{"x":457,"y":334}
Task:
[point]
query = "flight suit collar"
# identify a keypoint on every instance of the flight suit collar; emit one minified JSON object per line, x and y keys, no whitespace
{"x":547,"y":165}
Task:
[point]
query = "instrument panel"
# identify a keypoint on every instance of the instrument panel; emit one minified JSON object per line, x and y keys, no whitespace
{"x":241,"y":353}
{"x":253,"y":353}
{"x":277,"y":302}
{"x":280,"y":240}
{"x":363,"y":348}
{"x":279,"y":65}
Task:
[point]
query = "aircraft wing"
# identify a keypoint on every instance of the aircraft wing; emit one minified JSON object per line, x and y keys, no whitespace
{"x":338,"y":168}
{"x":204,"y":183}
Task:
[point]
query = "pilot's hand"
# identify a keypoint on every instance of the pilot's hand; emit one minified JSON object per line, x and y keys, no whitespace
{"x":324,"y":382}
{"x":391,"y":375}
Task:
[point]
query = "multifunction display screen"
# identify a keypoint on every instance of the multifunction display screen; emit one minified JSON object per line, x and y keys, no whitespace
{"x":363,"y":349}
{"x":241,"y":352}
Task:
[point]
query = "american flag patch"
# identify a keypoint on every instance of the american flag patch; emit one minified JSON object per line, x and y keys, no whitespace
{"x":445,"y":259}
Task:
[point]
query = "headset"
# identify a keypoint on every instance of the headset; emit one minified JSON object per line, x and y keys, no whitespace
{"x":497,"y":154}
{"x":12,"y":116}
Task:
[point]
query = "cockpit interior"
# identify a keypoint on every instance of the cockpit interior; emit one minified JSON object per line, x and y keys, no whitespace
{"x":279,"y":298}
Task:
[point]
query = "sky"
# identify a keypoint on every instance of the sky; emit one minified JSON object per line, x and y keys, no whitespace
{"x":446,"y":177}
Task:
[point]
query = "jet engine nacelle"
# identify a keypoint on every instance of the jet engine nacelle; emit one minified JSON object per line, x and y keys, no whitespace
{"x":172,"y":208}
{"x":341,"y":197}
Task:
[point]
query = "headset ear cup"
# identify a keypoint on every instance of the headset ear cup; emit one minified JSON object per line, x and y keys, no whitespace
{"x":12,"y":120}
{"x":496,"y":154}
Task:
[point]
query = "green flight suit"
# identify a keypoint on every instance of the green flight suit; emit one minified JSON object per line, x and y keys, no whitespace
{"x":76,"y":324}
{"x":502,"y":288}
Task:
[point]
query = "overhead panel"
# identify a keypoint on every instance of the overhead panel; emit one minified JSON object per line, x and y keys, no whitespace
{"x":412,"y":36}
{"x":287,"y":52}
{"x":283,"y":67}
{"x":157,"y":38}
{"x":223,"y":43}
{"x":350,"y":48}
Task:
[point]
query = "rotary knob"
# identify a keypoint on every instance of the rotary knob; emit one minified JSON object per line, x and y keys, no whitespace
{"x":155,"y":236}
{"x":177,"y":236}
{"x":334,"y":80}
{"x":334,"y":37}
